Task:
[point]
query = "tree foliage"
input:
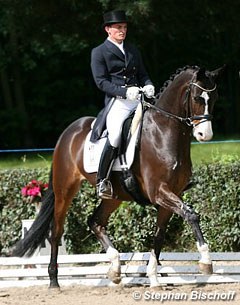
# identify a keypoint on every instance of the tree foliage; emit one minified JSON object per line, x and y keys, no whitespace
{"x":45,"y":46}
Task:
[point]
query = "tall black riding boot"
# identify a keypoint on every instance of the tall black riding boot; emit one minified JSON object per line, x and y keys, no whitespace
{"x":104,"y":186}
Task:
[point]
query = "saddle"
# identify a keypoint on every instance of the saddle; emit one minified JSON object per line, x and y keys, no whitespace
{"x":130,"y":139}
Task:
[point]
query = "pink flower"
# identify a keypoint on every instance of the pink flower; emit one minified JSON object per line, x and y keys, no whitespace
{"x":24,"y":191}
{"x":34,"y":189}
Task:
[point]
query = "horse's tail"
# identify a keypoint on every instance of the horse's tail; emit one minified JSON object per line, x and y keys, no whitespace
{"x":40,"y":227}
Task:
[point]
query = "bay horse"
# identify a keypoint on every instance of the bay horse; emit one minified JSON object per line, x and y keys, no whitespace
{"x":162,"y":167}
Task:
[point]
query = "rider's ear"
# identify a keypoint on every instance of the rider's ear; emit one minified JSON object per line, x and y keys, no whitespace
{"x":218,"y":72}
{"x":201,"y":74}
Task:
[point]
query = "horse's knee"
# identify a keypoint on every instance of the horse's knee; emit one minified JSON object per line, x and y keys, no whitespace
{"x":191,"y":216}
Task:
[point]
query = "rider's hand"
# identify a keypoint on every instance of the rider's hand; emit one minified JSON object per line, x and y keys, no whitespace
{"x":132,"y":93}
{"x":149,"y":91}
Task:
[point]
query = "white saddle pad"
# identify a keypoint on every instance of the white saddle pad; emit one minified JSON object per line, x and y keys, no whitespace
{"x":92,"y":153}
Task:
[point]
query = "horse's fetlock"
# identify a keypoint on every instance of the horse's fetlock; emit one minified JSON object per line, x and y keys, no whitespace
{"x":53,"y":269}
{"x":112,"y":253}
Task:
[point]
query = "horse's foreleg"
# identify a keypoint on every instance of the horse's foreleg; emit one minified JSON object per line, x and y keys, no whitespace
{"x":172,"y":202}
{"x":205,"y":263}
{"x":98,"y":222}
{"x":162,"y":222}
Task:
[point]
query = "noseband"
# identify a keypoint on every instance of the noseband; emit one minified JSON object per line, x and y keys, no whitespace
{"x":189,"y":120}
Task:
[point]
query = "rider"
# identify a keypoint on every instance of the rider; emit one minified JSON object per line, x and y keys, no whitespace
{"x":118,"y":70}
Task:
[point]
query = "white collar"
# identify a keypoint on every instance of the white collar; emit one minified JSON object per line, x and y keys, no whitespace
{"x":119,"y":45}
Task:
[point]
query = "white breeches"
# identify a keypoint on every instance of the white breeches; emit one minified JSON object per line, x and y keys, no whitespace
{"x":118,"y":113}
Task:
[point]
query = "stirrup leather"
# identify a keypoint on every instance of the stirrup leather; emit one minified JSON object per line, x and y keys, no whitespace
{"x":105,"y":189}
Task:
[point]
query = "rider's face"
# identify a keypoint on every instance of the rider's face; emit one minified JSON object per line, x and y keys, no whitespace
{"x":117,"y":32}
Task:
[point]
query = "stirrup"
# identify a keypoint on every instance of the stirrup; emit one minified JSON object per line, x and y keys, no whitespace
{"x":105,"y":189}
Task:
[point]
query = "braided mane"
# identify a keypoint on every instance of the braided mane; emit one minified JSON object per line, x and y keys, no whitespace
{"x":172,"y":77}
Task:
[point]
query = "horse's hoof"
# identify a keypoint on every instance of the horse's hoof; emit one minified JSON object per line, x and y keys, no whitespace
{"x":54,"y":287}
{"x":54,"y":290}
{"x":114,"y":276}
{"x":155,"y":287}
{"x":205,"y":268}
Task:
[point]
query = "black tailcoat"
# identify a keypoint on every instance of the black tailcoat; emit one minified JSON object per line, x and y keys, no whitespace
{"x":113,"y":72}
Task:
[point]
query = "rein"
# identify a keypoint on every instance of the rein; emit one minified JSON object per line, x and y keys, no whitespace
{"x":189,"y":121}
{"x":168,"y":114}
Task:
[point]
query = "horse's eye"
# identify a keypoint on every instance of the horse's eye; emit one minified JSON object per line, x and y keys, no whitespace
{"x":199,"y":99}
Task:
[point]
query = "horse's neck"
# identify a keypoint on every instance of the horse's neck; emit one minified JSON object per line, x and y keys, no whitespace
{"x":167,"y":137}
{"x":172,"y":100}
{"x":173,"y":97}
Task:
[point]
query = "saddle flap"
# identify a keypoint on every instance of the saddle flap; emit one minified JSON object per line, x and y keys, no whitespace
{"x":92,"y":153}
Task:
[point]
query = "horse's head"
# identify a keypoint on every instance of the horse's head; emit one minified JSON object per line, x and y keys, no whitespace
{"x":201,"y":99}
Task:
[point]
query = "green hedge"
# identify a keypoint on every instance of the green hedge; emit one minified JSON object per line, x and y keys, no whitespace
{"x":216,"y":197}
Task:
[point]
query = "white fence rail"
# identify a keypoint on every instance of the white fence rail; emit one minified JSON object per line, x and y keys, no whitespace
{"x":91,"y":269}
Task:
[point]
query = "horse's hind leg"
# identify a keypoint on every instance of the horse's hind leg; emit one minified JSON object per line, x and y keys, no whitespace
{"x":64,"y":194}
{"x":162,"y":222}
{"x":98,"y":222}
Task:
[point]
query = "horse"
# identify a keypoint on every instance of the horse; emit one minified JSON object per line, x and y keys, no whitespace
{"x":162,"y":168}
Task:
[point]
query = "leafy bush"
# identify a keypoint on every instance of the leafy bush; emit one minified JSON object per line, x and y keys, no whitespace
{"x":216,"y":197}
{"x":78,"y":236}
{"x":12,"y":207}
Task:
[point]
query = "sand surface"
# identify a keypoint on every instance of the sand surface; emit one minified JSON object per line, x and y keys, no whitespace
{"x":77,"y":295}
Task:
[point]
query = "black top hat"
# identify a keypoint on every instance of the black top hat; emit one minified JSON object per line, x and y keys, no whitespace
{"x":114,"y":17}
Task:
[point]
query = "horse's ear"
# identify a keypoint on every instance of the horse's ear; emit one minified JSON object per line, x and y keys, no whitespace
{"x":201,"y":74}
{"x":218,"y":72}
